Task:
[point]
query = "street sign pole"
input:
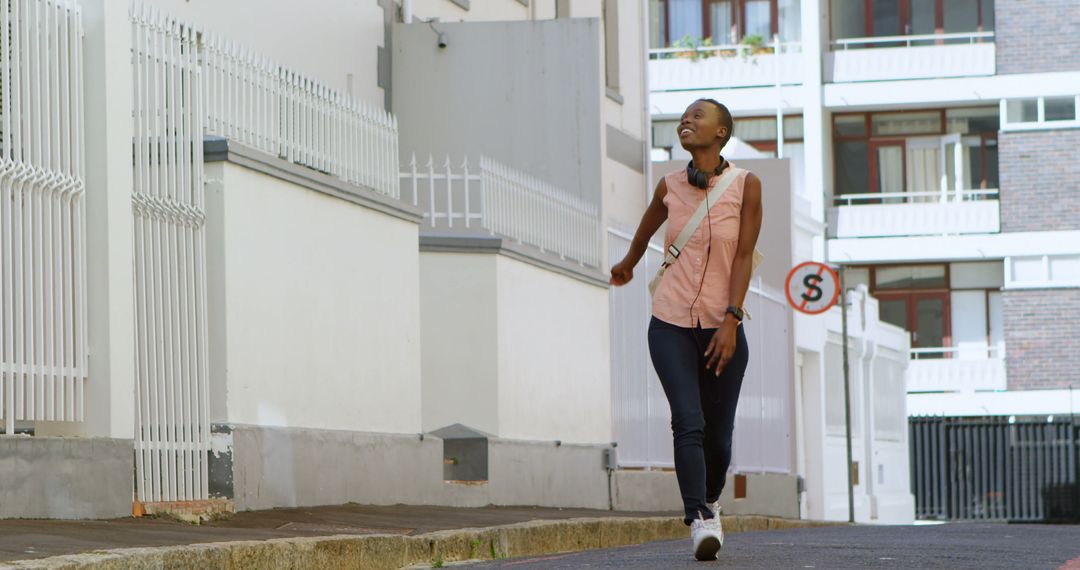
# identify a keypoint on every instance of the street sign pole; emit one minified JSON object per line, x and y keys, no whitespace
{"x":847,"y":398}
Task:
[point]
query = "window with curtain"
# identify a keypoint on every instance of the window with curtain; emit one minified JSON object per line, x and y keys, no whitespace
{"x":758,"y":15}
{"x":877,"y":18}
{"x":685,"y":19}
{"x":790,"y":24}
{"x":722,"y":23}
{"x":657,"y":25}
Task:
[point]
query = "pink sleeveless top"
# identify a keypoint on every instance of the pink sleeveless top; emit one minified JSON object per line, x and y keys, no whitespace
{"x":695,"y":289}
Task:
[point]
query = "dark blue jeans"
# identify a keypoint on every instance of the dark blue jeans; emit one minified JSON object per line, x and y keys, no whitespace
{"x":702,"y":409}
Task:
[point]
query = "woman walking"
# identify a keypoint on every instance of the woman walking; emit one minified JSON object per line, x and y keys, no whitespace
{"x":698,"y":349}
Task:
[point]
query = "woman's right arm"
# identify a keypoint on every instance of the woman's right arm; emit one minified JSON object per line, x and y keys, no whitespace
{"x":654,"y":217}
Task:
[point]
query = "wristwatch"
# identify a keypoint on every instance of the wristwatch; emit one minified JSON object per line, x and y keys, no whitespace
{"x":736,"y":312}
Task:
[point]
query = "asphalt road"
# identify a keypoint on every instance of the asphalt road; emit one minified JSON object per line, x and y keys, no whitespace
{"x":953,"y":546}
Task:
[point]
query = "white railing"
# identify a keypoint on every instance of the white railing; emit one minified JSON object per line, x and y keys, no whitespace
{"x":43,"y":346}
{"x":916,"y":197}
{"x":975,"y":352}
{"x":951,"y":369}
{"x":918,"y":39}
{"x":500,"y":200}
{"x":729,"y":50}
{"x":255,"y":101}
{"x":172,"y":429}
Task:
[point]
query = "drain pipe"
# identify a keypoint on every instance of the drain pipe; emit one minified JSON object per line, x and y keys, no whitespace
{"x":406,"y":11}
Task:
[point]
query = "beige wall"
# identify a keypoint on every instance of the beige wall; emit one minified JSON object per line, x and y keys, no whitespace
{"x":483,"y":10}
{"x":459,"y":341}
{"x":326,"y":40}
{"x":316,"y":301}
{"x":554,"y":356}
{"x":514,"y":350}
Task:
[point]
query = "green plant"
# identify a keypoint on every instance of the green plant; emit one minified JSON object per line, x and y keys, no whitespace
{"x":438,"y":563}
{"x":754,"y":41}
{"x":474,"y":548}
{"x":693,"y":45}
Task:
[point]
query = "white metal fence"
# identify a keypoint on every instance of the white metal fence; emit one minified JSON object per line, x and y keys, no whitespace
{"x":641,"y":415}
{"x":254,"y":101}
{"x":500,"y":200}
{"x":172,"y":405}
{"x":43,"y":354}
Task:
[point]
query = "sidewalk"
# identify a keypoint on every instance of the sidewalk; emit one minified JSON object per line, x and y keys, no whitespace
{"x":298,"y":534}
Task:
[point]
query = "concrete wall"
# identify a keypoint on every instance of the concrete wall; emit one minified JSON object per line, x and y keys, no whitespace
{"x":314,"y":311}
{"x":1039,"y":179}
{"x":483,"y":10}
{"x":1035,"y":36}
{"x":327,"y":40}
{"x":1041,"y":336}
{"x":554,"y":356}
{"x":286,"y":467}
{"x":66,"y":478}
{"x":514,"y":350}
{"x":524,"y":93}
{"x":770,"y":494}
{"x":459,"y":341}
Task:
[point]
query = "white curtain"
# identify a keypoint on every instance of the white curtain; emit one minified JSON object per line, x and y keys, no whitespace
{"x":924,"y":166}
{"x":890,"y":161}
{"x":685,"y":19}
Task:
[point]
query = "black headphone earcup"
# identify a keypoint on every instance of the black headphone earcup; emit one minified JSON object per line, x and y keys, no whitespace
{"x":696,"y":177}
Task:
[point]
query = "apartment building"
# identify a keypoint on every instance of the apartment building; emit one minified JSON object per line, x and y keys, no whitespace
{"x":936,"y":139}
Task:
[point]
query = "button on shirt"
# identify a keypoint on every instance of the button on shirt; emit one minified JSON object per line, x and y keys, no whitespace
{"x":695,"y":290}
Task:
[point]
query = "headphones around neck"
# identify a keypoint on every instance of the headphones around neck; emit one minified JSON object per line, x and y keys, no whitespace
{"x":699,"y":178}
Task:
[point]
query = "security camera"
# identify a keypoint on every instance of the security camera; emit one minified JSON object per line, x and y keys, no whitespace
{"x":442,"y":39}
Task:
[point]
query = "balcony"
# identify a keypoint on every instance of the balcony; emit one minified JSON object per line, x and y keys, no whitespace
{"x":724,"y":66}
{"x":910,"y":57}
{"x":895,"y":214}
{"x":966,"y":368}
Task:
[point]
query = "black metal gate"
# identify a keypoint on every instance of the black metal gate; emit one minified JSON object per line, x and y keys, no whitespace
{"x":995,"y":468}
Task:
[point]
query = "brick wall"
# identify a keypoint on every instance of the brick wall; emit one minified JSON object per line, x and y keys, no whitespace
{"x":1042,"y":338}
{"x":1034,"y":36}
{"x":1039,"y":173}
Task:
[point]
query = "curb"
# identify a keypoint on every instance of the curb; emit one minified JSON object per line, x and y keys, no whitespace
{"x":384,"y":551}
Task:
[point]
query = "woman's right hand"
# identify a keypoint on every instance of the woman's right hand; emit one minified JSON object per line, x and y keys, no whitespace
{"x":621,"y":273}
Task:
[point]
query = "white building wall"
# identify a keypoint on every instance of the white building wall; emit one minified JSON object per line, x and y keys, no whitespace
{"x":459,"y":341}
{"x":332,"y":41}
{"x":554,"y":363}
{"x":318,"y":307}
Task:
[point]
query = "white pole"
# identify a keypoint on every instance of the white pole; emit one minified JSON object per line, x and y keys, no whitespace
{"x":406,"y":11}
{"x":779,"y":104}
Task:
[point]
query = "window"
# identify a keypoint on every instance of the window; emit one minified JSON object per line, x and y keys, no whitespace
{"x":916,"y":152}
{"x":951,"y":311}
{"x":881,"y":18}
{"x":611,"y":44}
{"x":759,"y":132}
{"x":1040,"y":113}
{"x":724,"y":21}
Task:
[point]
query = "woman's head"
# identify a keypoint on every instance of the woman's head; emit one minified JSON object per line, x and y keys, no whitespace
{"x":704,"y":124}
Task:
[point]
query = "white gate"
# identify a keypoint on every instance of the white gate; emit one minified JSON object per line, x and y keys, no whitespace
{"x":43,"y":354}
{"x":172,"y":405}
{"x":640,"y":413}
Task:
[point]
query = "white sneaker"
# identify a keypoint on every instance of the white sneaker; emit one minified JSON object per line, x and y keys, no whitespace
{"x":708,"y":538}
{"x":716,"y":508}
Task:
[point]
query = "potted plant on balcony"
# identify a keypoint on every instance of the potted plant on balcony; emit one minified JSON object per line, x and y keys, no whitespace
{"x":755,"y":43}
{"x":692,"y":46}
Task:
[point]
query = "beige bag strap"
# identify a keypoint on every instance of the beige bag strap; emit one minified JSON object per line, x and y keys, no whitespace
{"x":717,"y":191}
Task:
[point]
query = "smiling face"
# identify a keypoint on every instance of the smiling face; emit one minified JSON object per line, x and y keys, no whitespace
{"x":702,"y":126}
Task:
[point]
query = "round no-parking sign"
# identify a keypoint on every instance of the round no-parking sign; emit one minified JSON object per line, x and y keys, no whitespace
{"x":812,"y":287}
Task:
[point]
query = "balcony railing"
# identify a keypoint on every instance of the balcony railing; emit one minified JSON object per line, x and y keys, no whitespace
{"x":911,"y":57}
{"x":936,"y":196}
{"x":724,"y":66}
{"x":893,"y":214}
{"x":953,"y":369}
{"x":914,"y":40}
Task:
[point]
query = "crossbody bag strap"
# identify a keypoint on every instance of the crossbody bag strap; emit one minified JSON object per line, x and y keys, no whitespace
{"x":691,"y":226}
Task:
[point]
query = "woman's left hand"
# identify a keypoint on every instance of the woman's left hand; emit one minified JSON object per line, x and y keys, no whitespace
{"x":722,"y":346}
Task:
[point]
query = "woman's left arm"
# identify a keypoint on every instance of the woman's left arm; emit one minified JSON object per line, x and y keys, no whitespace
{"x":722,"y":346}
